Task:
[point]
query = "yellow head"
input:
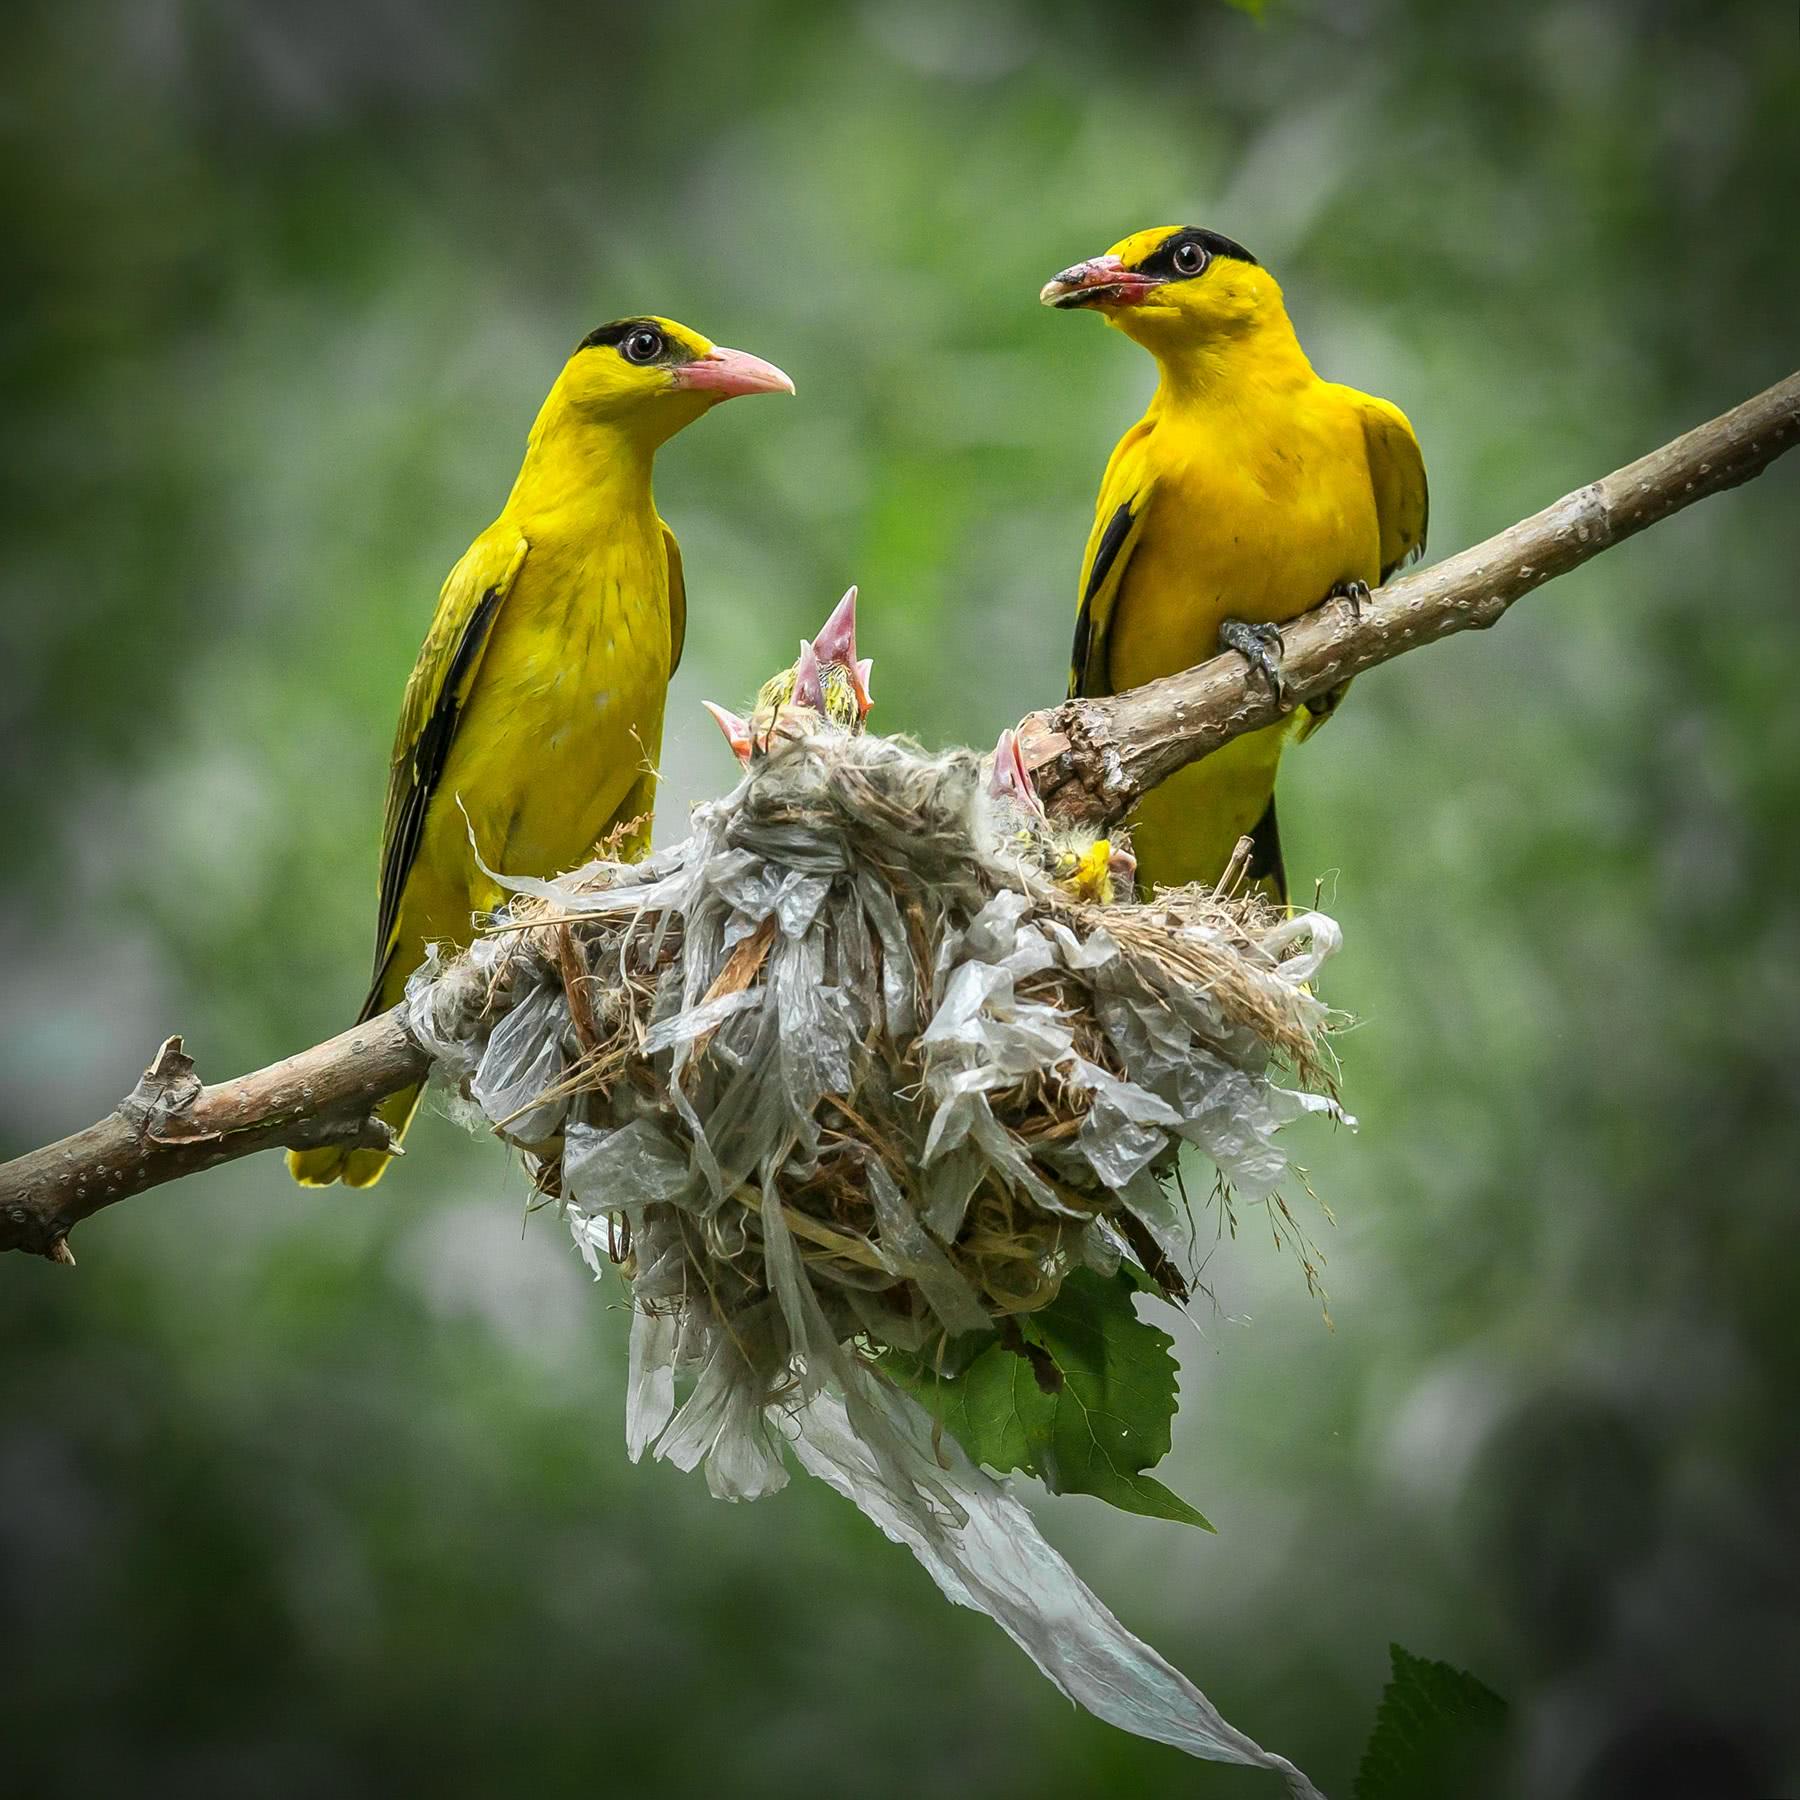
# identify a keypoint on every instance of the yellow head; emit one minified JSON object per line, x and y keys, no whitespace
{"x":1173,"y":288}
{"x":651,"y":376}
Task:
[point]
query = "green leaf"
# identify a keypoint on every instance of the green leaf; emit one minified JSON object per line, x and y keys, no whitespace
{"x":1105,"y":1423}
{"x":1438,"y":1731}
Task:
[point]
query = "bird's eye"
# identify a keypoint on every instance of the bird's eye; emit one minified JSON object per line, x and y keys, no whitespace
{"x":1189,"y":259}
{"x":643,"y":346}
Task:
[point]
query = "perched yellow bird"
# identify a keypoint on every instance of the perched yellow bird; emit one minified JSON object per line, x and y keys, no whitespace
{"x":533,"y":719}
{"x":827,"y":680}
{"x":1249,"y":492}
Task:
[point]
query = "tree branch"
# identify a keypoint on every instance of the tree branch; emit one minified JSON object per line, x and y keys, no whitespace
{"x":1093,"y":760}
{"x":170,"y":1125}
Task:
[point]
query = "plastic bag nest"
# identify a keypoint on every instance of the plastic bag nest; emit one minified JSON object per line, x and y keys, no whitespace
{"x":847,"y":1069}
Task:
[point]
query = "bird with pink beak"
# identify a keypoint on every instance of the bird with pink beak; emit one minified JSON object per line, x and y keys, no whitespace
{"x":825,"y":687}
{"x":652,"y":376}
{"x":836,"y":647}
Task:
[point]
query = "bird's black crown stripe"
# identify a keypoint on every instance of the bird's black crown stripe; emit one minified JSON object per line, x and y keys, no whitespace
{"x":1161,"y":261}
{"x":613,"y":335}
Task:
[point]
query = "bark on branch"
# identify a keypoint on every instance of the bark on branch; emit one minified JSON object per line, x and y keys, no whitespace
{"x":170,"y":1125}
{"x":1093,"y":760}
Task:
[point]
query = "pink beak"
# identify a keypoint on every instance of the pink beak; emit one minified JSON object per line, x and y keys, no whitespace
{"x":727,"y":372}
{"x":1011,"y":780}
{"x":836,"y":643}
{"x":809,"y":680}
{"x":1100,"y":281}
{"x":736,"y":730}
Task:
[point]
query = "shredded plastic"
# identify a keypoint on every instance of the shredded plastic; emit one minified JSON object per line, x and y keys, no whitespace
{"x":846,"y":1070}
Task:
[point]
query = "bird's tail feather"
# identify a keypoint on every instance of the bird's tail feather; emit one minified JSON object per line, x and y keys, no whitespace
{"x":353,"y":1167}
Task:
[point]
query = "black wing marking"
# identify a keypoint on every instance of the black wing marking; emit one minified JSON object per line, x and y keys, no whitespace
{"x":429,"y":754}
{"x":677,"y":601}
{"x":1112,"y":540}
{"x":1266,"y":863}
{"x":1414,"y":552}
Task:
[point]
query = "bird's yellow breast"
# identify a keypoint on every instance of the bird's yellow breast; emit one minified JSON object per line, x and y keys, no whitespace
{"x":567,"y":711}
{"x":1254,"y":510}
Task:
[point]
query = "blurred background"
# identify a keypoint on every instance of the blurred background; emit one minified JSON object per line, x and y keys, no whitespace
{"x":327,"y":1492}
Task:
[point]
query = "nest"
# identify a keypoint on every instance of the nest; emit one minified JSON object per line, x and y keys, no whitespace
{"x":847,"y":1069}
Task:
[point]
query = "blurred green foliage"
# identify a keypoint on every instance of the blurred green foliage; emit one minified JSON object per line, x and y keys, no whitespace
{"x":305,"y":1493}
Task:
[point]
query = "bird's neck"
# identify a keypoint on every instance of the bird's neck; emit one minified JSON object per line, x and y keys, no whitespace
{"x":1259,"y":360}
{"x":577,"y":467}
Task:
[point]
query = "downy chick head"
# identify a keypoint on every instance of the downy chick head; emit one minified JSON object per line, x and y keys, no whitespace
{"x":1088,"y":867}
{"x":825,"y":688}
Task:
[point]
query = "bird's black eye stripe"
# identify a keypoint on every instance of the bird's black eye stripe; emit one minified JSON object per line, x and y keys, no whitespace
{"x":1184,"y":254}
{"x":640,"y":341}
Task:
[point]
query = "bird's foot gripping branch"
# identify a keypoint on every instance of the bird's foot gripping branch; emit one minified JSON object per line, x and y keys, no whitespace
{"x":877,"y":1121}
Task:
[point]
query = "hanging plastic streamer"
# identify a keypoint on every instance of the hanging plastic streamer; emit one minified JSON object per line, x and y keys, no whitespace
{"x":849,"y":1072}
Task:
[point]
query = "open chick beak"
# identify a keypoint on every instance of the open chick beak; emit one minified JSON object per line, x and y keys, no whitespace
{"x":737,"y":731}
{"x":1122,"y":867}
{"x":836,"y":643}
{"x":809,"y":680}
{"x":727,"y":372}
{"x":1010,"y":779}
{"x":1101,"y":281}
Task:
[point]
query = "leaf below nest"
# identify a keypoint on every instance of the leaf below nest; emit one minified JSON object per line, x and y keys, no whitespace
{"x":1107,"y":1420}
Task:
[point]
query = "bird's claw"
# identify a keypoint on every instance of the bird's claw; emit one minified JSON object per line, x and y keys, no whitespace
{"x":1259,"y":646}
{"x":1356,"y":592}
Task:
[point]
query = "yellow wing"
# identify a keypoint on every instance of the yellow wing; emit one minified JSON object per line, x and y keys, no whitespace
{"x":435,"y":694}
{"x":1397,"y":475}
{"x":677,"y":600}
{"x":1397,"y":470}
{"x":1118,"y":521}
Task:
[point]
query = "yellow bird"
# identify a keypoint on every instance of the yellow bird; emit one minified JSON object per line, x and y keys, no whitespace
{"x":533,"y":719}
{"x":1249,"y":492}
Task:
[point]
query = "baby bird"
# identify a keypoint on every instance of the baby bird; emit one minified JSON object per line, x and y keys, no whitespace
{"x":826,"y":680}
{"x":1088,"y":868}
